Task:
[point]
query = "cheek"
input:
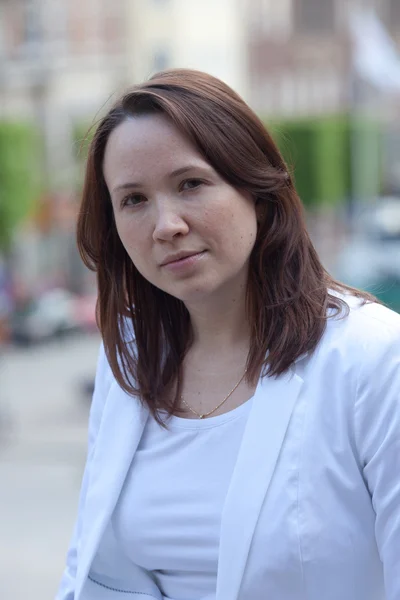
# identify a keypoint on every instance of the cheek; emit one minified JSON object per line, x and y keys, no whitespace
{"x":132,"y":238}
{"x":241,"y":231}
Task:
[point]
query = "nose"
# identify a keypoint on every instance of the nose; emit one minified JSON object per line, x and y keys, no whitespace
{"x":169,"y":222}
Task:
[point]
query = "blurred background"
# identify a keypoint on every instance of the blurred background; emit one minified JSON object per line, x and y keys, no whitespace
{"x":324,"y":75}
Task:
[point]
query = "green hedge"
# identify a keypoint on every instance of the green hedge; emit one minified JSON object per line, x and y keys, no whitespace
{"x":320,"y":151}
{"x":19,"y":176}
{"x":82,"y":134}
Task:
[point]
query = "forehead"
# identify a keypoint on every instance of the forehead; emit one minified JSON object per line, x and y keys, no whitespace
{"x":146,"y":142}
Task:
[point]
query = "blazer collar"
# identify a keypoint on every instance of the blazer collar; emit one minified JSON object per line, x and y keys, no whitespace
{"x":273,"y":403}
{"x":124,"y":419}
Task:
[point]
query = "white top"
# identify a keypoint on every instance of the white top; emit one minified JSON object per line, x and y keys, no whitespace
{"x":168,"y":516}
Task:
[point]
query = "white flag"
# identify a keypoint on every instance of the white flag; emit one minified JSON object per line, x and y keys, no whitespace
{"x":375,"y":55}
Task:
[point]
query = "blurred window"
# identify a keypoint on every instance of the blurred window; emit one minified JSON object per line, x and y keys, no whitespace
{"x":2,"y":32}
{"x":32,"y":25}
{"x":96,"y":27}
{"x":314,"y":16}
{"x":394,"y":12}
{"x":113,"y":26}
{"x":287,"y":94}
{"x":274,"y":19}
{"x":23,"y":29}
{"x":54,"y":24}
{"x":160,"y":60}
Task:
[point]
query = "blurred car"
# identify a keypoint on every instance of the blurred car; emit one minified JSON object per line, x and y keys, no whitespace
{"x":55,"y":313}
{"x":371,"y":258}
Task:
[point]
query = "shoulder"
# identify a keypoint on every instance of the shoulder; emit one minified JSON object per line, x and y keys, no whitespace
{"x":361,"y":339}
{"x":369,"y":341}
{"x":372,"y":317}
{"x":368,"y":329}
{"x":357,"y":365}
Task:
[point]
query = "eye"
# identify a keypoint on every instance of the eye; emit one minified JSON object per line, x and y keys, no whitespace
{"x":132,"y":200}
{"x":191,"y":184}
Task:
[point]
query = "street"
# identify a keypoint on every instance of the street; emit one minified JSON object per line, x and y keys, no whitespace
{"x":43,"y":423}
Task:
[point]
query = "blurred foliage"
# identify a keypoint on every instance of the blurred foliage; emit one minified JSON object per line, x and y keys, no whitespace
{"x":319,"y":153}
{"x":82,"y":135}
{"x":19,"y":177}
{"x":365,"y":145}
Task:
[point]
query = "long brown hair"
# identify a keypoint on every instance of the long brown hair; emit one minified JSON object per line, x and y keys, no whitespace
{"x":146,"y":332}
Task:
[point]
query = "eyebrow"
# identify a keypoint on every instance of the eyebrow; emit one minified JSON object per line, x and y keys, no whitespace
{"x":176,"y":173}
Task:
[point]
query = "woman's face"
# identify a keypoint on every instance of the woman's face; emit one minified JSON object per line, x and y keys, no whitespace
{"x":185,"y":229}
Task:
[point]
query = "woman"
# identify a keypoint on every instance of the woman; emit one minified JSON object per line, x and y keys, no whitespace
{"x":244,"y":438}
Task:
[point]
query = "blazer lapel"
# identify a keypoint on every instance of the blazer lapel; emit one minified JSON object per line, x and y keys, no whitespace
{"x":263,"y":437}
{"x":118,"y":438}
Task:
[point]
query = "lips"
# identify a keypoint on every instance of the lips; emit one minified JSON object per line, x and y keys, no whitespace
{"x":180,"y":256}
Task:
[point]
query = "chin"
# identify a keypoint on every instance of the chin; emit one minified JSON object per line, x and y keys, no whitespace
{"x":191,"y":297}
{"x":194,"y":294}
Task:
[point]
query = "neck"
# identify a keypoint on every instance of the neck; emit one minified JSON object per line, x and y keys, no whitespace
{"x":220,"y":324}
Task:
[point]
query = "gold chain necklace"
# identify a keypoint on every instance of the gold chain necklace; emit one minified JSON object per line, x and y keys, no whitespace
{"x":201,"y":416}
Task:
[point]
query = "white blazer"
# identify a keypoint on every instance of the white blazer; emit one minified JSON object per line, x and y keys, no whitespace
{"x":313,"y":508}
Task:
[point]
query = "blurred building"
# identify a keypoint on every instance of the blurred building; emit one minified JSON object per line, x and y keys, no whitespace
{"x":299,"y":53}
{"x":207,"y":35}
{"x":60,"y":60}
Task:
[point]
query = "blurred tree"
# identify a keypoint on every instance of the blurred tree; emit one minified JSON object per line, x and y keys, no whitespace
{"x":19,"y":177}
{"x":320,"y":153}
{"x":83,"y":133}
{"x":297,"y":142}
